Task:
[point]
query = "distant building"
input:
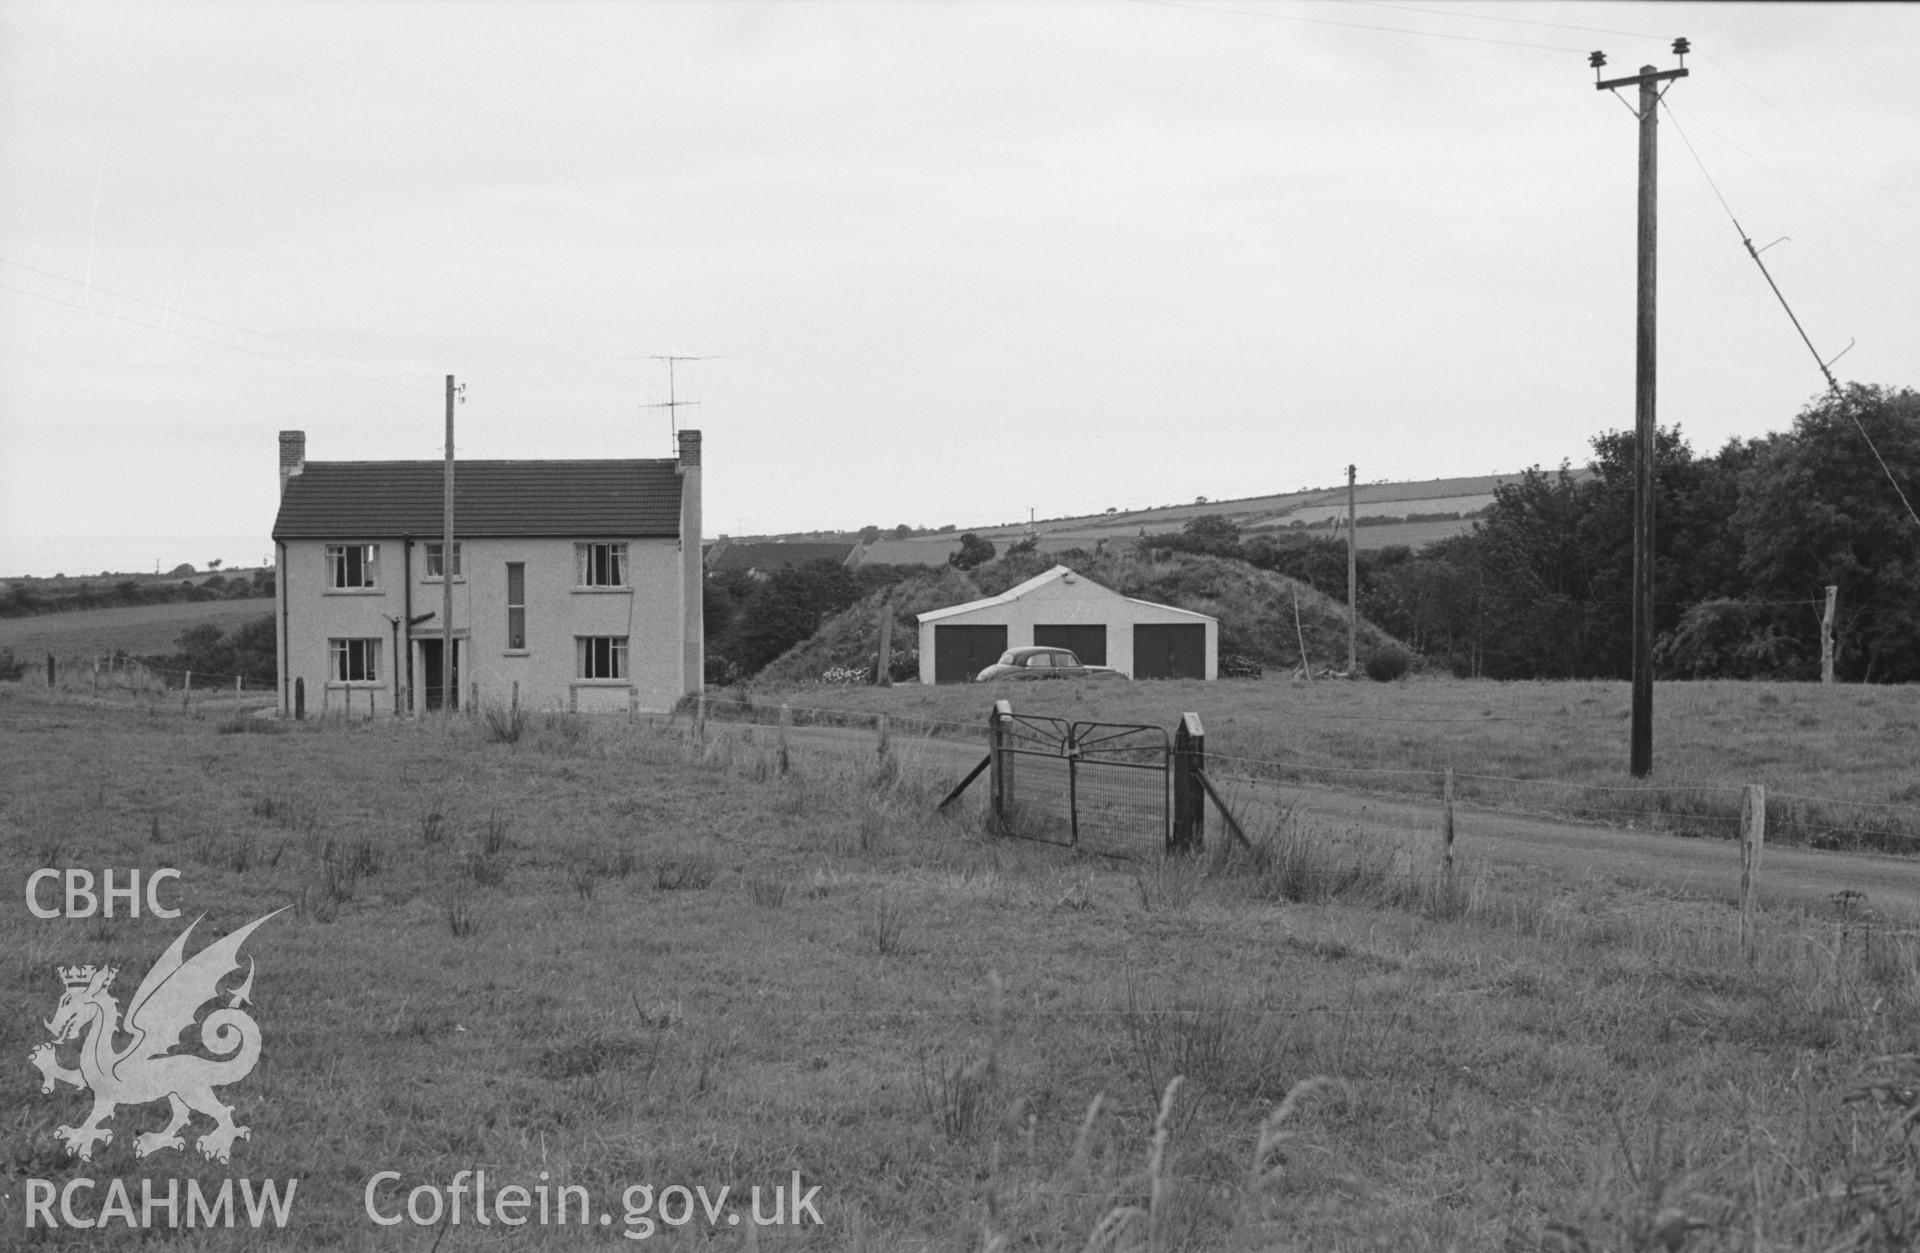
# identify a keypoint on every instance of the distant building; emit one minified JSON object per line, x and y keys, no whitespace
{"x":1068,"y":610}
{"x":576,"y":583}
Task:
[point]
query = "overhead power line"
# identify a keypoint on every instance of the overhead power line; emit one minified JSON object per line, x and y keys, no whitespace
{"x":1833,"y":384}
{"x":1803,"y":129}
{"x":1327,"y":21}
{"x":1837,"y":215}
{"x":1488,"y":17}
{"x":173,"y":310}
{"x":218,"y":343}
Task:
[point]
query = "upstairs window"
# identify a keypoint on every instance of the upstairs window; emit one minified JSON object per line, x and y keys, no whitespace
{"x":352,"y":566}
{"x":516,"y":605}
{"x":353,"y":661}
{"x":434,"y":562}
{"x":602,"y":565}
{"x":603,"y":656}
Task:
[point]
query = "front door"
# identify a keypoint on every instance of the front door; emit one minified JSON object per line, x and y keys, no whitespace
{"x":429,"y":679}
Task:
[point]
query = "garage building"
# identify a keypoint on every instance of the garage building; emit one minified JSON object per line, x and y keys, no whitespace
{"x":1067,"y":610}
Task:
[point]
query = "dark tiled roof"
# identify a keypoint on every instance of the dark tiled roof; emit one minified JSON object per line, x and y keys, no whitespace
{"x":346,"y":499}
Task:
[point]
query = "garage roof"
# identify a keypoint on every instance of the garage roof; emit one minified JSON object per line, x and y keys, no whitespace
{"x":1040,"y":580}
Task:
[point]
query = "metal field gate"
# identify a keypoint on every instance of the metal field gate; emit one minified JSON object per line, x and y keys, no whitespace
{"x":1100,"y":786}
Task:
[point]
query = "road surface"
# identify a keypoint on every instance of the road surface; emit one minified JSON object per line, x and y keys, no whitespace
{"x":1703,"y":867}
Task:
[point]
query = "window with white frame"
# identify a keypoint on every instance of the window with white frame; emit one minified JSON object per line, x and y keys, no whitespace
{"x":353,"y":661}
{"x":516,"y":605}
{"x":435,"y":564}
{"x":351,"y":567}
{"x":601,"y":565}
{"x":602,"y":656}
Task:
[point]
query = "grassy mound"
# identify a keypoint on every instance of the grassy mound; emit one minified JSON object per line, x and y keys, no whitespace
{"x":1255,"y":608}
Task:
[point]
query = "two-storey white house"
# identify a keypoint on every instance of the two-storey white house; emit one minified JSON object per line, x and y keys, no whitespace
{"x":576,"y":584}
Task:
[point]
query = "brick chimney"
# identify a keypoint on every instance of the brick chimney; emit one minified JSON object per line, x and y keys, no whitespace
{"x":293,"y":456}
{"x":693,"y":667}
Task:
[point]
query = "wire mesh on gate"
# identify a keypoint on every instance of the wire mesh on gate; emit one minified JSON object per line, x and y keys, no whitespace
{"x":1101,"y":787}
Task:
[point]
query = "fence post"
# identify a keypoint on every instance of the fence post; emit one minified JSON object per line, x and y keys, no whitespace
{"x":188,"y":686}
{"x":516,"y":697}
{"x":883,"y":749}
{"x":236,"y":683}
{"x":1753,"y":834}
{"x":1189,"y":801}
{"x":299,"y":700}
{"x":1446,"y":824}
{"x":881,"y":677}
{"x":700,"y":718}
{"x":473,"y":697}
{"x":786,"y":719}
{"x":1826,"y":637}
{"x":1000,"y":786}
{"x":50,"y":678}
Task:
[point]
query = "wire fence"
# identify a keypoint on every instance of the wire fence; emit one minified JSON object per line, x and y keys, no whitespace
{"x":1271,"y":788}
{"x":120,"y":672}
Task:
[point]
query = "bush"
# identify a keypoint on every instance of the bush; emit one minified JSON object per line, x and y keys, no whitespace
{"x":1387,"y":665}
{"x":1239,"y":666}
{"x":10,"y":667}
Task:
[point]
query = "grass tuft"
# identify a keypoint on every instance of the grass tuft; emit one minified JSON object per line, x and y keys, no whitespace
{"x":692,"y":873}
{"x":884,"y":926}
{"x":503,"y":724}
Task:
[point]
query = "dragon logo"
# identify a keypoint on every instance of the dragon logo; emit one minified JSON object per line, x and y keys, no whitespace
{"x":147,"y":1068}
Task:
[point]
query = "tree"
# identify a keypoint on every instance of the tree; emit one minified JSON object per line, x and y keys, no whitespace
{"x":1816,"y":509}
{"x":1211,"y":533}
{"x":974,"y":551}
{"x":788,"y":608}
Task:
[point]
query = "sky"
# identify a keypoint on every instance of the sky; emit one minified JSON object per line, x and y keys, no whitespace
{"x":942,"y":262}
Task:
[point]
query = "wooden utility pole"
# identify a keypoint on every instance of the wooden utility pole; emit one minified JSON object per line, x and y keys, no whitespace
{"x":1826,"y":636}
{"x":1648,"y":80}
{"x":446,"y":569}
{"x":1353,"y":584}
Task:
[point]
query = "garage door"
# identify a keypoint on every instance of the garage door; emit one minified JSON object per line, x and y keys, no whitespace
{"x":1089,"y":643}
{"x":1169,"y":651}
{"x":960,"y":652}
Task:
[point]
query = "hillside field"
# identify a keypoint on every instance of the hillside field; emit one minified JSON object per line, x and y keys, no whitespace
{"x":137,"y":629}
{"x":612,"y":956}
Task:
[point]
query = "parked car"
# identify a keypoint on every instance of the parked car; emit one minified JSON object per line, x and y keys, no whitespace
{"x":1043,"y":663}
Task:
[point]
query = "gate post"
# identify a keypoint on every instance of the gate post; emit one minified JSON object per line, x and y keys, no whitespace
{"x":1188,"y":834}
{"x":1001,"y":784}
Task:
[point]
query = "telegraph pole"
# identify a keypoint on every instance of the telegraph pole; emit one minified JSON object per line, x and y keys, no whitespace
{"x":1353,"y":584}
{"x":1648,"y":80}
{"x":446,"y":567}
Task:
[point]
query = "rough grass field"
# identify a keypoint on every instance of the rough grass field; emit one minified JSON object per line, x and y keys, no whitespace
{"x":611,"y":953}
{"x":1841,"y":764}
{"x":136,"y":629}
